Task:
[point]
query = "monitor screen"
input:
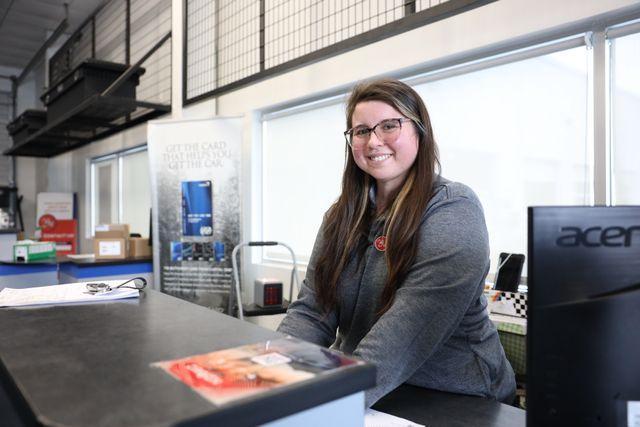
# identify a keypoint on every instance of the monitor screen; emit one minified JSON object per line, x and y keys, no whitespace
{"x":583,"y":331}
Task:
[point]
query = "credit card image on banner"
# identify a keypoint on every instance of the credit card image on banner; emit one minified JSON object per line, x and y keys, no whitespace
{"x":197,"y":208}
{"x":182,"y":251}
{"x":176,"y":251}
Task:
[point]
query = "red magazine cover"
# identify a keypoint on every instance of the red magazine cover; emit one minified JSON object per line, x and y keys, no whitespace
{"x":226,"y":375}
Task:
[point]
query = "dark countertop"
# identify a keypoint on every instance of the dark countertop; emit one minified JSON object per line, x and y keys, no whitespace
{"x":50,"y":261}
{"x":437,"y":408}
{"x":83,"y":262}
{"x":89,"y":364}
{"x":9,"y":231}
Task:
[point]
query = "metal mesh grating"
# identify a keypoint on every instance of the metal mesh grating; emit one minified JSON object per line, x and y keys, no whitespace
{"x":149,"y":22}
{"x":294,"y":29}
{"x":111,"y":24}
{"x":200,"y":55}
{"x":238,"y":40}
{"x":5,"y":140}
{"x":232,"y":41}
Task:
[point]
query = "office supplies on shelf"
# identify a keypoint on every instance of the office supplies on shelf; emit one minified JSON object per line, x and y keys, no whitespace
{"x":63,"y":294}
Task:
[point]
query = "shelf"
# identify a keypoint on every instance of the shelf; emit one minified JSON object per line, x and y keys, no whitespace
{"x":252,"y":310}
{"x":79,"y":126}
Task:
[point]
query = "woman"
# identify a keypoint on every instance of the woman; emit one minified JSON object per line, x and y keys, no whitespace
{"x":398,"y":266}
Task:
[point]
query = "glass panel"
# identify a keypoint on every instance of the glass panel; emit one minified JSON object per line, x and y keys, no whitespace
{"x":105,"y":193}
{"x":516,"y":134}
{"x":303,"y":157}
{"x":136,"y":192}
{"x":625,"y":127}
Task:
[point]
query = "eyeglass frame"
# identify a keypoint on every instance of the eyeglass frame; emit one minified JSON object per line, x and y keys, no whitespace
{"x":103,"y":288}
{"x":348,"y":134}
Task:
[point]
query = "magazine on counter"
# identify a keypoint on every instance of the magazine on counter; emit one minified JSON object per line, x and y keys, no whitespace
{"x":226,"y":375}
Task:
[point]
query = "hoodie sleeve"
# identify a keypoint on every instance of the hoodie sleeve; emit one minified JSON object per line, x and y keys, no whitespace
{"x":305,"y":319}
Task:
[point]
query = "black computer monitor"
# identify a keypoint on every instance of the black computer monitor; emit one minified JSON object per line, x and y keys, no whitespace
{"x":583,"y":331}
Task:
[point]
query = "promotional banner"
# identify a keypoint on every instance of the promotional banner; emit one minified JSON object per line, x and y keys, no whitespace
{"x":195,"y":173}
{"x":55,"y":213}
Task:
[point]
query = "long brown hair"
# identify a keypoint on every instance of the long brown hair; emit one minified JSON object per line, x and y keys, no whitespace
{"x":347,"y":222}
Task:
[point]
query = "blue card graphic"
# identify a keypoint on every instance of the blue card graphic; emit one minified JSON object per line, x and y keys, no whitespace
{"x":197,"y":208}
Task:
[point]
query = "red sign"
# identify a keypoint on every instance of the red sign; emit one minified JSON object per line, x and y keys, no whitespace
{"x":64,"y":232}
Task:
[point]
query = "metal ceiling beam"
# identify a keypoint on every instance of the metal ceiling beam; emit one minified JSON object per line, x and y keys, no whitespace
{"x":39,"y":55}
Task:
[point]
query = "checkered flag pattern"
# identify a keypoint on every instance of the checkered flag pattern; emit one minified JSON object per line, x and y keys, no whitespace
{"x":508,"y":303}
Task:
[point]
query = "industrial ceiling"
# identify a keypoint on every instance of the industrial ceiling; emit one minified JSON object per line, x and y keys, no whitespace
{"x":25,"y":25}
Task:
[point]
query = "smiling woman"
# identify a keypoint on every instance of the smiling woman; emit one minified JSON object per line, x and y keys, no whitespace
{"x":397,"y":272}
{"x":386,"y":155}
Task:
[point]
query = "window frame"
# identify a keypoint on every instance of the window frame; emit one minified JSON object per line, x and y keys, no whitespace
{"x":594,"y":37}
{"x":92,"y":164}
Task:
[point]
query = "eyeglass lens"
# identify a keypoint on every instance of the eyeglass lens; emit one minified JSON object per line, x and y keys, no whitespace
{"x":386,"y":130}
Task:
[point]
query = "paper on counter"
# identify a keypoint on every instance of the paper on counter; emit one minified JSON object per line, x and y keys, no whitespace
{"x":373,"y":418}
{"x":62,"y":294}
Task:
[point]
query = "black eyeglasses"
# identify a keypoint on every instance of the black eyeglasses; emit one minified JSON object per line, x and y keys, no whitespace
{"x":389,"y":129}
{"x":101,"y":288}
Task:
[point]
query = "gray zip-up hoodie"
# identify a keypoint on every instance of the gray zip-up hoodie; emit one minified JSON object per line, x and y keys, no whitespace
{"x":437,"y":334}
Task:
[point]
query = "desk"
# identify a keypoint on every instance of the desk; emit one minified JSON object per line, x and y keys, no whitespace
{"x":85,"y":270}
{"x":436,"y":408}
{"x":88,"y":364}
{"x":28,"y":274}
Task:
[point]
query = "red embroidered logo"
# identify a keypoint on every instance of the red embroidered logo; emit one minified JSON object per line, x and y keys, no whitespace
{"x":380,"y":243}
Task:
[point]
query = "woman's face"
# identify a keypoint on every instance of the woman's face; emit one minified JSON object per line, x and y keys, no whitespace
{"x":386,"y":159}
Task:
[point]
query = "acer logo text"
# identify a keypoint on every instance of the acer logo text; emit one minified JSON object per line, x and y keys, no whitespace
{"x":597,"y":236}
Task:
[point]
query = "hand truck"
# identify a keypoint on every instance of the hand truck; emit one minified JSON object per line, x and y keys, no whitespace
{"x":235,"y":290}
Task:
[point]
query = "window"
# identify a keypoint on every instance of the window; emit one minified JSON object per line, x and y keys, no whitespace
{"x":516,"y":134}
{"x":303,"y":156}
{"x":519,"y":128}
{"x":121,"y":190}
{"x":625,"y":128}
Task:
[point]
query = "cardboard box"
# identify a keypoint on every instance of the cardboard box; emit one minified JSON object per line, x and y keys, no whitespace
{"x":111,"y":241}
{"x":112,"y":231}
{"x":33,"y":251}
{"x":110,"y":248}
{"x":139,"y":247}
